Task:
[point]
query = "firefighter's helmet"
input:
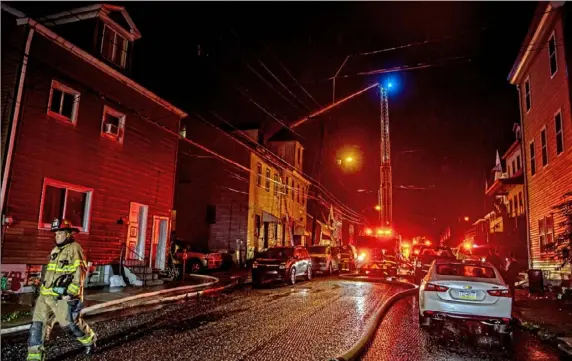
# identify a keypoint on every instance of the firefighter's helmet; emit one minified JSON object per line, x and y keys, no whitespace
{"x":63,"y":225}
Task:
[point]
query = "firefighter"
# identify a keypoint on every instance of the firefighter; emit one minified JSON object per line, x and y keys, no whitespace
{"x":61,"y":293}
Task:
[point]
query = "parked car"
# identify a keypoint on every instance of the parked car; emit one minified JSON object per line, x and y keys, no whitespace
{"x":465,"y":290}
{"x":347,"y":257}
{"x":383,"y":266}
{"x":282,"y":263}
{"x":324,"y":259}
{"x":193,"y":259}
{"x":426,"y":256}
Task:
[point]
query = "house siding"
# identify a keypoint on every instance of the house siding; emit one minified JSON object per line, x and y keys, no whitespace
{"x":551,"y":182}
{"x":141,"y":170}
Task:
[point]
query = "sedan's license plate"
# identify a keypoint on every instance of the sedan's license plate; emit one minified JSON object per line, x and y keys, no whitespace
{"x":467,"y":295}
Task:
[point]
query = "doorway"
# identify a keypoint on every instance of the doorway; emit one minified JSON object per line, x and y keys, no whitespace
{"x":137,"y":233}
{"x":159,"y":242}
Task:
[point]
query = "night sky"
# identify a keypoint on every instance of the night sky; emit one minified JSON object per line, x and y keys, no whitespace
{"x":447,"y":119}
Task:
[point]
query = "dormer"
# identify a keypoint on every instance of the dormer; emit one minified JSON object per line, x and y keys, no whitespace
{"x":287,"y":146}
{"x":106,"y":31}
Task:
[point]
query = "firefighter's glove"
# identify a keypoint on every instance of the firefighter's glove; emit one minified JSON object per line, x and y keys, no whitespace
{"x":60,"y":290}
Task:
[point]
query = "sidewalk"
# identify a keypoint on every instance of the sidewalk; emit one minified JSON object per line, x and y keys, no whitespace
{"x":547,"y":316}
{"x":19,"y":310}
{"x":243,"y":275}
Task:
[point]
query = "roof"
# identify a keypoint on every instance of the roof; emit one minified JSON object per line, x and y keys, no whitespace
{"x":58,"y":40}
{"x":513,"y":148}
{"x":103,"y":11}
{"x":503,"y":185}
{"x":285,"y":135}
{"x":541,"y":15}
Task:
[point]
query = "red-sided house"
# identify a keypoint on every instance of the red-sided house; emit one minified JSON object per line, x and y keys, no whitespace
{"x":85,"y":142}
{"x":541,"y":75}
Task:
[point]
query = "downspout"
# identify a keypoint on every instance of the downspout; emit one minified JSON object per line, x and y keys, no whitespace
{"x":525,"y":171}
{"x":15,"y":119}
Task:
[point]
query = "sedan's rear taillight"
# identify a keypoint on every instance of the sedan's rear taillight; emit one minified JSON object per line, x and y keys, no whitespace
{"x":500,"y":293}
{"x":436,"y":288}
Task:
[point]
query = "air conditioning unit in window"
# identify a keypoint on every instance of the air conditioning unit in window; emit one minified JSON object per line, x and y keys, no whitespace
{"x":111,"y":129}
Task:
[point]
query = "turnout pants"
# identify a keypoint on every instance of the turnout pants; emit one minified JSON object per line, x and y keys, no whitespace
{"x":49,"y":309}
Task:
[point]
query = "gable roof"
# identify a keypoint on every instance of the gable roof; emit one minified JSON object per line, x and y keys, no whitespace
{"x":102,"y":11}
{"x":285,"y":135}
{"x":529,"y":47}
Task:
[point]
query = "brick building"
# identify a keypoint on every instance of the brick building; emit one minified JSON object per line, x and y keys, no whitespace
{"x":541,"y":76}
{"x":84,"y":141}
{"x":252,"y":199}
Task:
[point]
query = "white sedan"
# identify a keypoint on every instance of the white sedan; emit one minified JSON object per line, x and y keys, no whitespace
{"x":465,"y":290}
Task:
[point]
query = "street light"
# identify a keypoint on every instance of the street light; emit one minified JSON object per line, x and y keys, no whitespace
{"x":378,"y":207}
{"x":349,"y":159}
{"x":466,"y":218}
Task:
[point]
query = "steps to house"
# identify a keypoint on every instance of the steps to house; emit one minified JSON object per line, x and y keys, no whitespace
{"x":146,"y":275}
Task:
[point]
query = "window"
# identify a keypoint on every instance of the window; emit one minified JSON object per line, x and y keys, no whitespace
{"x":113,"y":124}
{"x":286,"y":185}
{"x":508,"y":170}
{"x":211,"y":214}
{"x":293,"y":187}
{"x":514,"y":166}
{"x":559,"y":133}
{"x":298,"y":193}
{"x":267,"y":182}
{"x":518,"y":164}
{"x":527,"y":100}
{"x":61,"y":200}
{"x":113,"y":47}
{"x":515,"y":201}
{"x":259,"y":174}
{"x":63,"y":102}
{"x":276,"y":184}
{"x":545,"y":232}
{"x":510,"y":207}
{"x":532,"y":159}
{"x":520,"y":203}
{"x":544,"y":147}
{"x":552,"y":55}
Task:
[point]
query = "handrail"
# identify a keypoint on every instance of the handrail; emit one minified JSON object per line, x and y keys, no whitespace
{"x":130,"y":257}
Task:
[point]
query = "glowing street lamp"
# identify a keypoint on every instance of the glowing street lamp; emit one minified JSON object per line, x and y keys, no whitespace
{"x":378,"y":207}
{"x":466,"y":218}
{"x":349,"y":159}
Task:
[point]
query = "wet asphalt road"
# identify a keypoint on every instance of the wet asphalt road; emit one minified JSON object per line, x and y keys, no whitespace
{"x":400,"y":338}
{"x":311,"y":321}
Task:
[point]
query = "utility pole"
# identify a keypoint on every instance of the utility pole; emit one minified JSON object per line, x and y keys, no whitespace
{"x":385,"y":190}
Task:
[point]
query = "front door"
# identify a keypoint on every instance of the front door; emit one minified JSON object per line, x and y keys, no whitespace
{"x":136,"y":235}
{"x":159,"y":242}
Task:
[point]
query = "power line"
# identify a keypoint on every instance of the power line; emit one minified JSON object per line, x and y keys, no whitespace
{"x":313,"y":181}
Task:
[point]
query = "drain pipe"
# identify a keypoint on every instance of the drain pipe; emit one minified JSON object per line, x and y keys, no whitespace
{"x":525,"y":171}
{"x":15,"y":118}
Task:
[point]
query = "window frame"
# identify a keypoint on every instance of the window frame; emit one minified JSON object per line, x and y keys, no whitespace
{"x":555,"y":54}
{"x":532,"y":154}
{"x":121,"y":128}
{"x":559,"y":114}
{"x":259,"y":174}
{"x":65,"y":90}
{"x":520,"y":203}
{"x":518,"y":163}
{"x":293,"y":189}
{"x":267,"y":180}
{"x":115,"y":47}
{"x":527,"y":105}
{"x":544,"y":232}
{"x":276,"y":184}
{"x":544,"y":147}
{"x":67,"y":186}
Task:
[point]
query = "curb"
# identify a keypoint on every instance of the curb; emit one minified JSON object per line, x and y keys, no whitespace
{"x":361,"y":344}
{"x":552,"y":340}
{"x":108,"y":304}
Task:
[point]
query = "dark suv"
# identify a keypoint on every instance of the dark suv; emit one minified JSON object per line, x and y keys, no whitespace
{"x":282,"y":263}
